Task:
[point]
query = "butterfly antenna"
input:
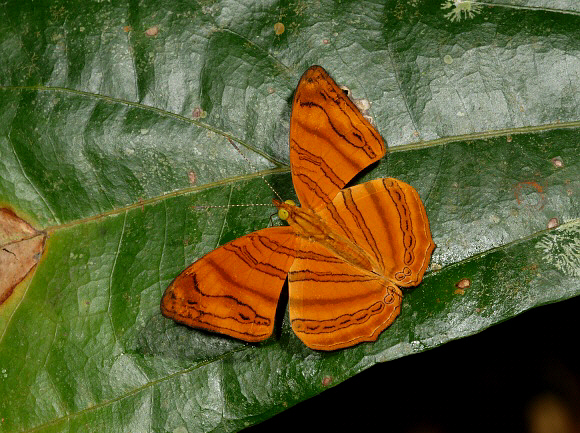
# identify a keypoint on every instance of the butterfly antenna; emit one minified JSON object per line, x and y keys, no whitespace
{"x":212,"y":206}
{"x":226,"y":206}
{"x":254,"y":168}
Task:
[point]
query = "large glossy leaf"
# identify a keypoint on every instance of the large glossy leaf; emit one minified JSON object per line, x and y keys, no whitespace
{"x":113,"y":139}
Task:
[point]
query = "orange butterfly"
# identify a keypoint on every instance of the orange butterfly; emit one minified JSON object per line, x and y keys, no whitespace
{"x":346,"y":252}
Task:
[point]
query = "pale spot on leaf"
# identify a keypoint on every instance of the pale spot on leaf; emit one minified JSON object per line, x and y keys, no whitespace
{"x":152,"y":31}
{"x":279,"y":28}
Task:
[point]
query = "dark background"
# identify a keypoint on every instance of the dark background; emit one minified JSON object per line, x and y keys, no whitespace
{"x":522,"y":375}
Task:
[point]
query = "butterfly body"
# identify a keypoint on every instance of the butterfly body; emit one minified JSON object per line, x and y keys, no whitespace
{"x":346,"y":252}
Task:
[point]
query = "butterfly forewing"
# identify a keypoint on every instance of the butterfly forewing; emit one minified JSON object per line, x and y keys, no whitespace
{"x":234,"y":289}
{"x":330,"y":140}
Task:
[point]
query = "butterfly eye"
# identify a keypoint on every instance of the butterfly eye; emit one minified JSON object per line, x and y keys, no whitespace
{"x":283,"y":214}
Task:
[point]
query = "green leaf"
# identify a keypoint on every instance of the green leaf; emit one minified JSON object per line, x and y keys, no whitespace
{"x":114,"y":128}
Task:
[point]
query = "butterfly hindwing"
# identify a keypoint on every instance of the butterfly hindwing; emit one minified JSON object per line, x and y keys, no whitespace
{"x":333,"y":304}
{"x":234,"y":289}
{"x":387,"y":219}
{"x":330,"y":140}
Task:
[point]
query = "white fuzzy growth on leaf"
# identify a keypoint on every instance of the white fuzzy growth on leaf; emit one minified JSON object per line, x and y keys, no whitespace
{"x":461,"y":8}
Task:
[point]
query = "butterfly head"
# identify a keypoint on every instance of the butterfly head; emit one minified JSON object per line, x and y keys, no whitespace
{"x":286,"y":209}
